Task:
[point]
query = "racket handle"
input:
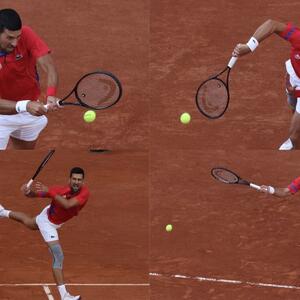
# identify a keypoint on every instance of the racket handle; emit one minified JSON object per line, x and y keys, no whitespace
{"x":232,"y":61}
{"x":57,"y":103}
{"x":29,"y":183}
{"x":255,"y":186}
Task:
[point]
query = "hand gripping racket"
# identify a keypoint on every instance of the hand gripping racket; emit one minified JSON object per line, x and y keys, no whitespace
{"x":41,"y":166}
{"x":212,"y":97}
{"x":96,"y":90}
{"x":226,"y":176}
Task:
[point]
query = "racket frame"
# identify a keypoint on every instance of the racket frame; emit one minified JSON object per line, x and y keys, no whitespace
{"x":40,"y":167}
{"x":228,"y":68}
{"x":80,"y":103}
{"x":239,"y":179}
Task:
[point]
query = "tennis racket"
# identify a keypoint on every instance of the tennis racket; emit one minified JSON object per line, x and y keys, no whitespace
{"x":41,"y":166}
{"x":226,"y":176}
{"x":212,"y":97}
{"x":96,"y":90}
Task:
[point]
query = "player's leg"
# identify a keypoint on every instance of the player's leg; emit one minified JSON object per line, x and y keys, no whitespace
{"x":50,"y":235}
{"x":21,"y":145}
{"x":25,"y":137}
{"x":295,"y":128}
{"x":8,"y":124}
{"x":292,"y":102}
{"x":20,"y":217}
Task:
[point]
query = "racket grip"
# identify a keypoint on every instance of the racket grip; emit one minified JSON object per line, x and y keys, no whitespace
{"x":57,"y":103}
{"x":232,"y":61}
{"x":255,"y":186}
{"x":29,"y":183}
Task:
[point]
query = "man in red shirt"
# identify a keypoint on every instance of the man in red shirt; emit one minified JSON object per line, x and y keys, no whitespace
{"x":22,"y":116}
{"x":292,"y":34}
{"x":66,"y":203}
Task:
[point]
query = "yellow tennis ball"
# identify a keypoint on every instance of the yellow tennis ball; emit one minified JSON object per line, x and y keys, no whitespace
{"x":185,"y":118}
{"x":169,"y":227}
{"x":89,"y":116}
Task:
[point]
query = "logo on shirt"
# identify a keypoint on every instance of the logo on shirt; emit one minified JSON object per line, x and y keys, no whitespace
{"x":19,"y":56}
{"x":297,"y":56}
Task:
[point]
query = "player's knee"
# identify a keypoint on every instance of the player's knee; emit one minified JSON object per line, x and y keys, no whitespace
{"x":58,"y":256}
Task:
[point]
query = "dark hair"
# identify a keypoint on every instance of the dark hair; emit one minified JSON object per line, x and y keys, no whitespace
{"x":9,"y":19}
{"x":76,"y":170}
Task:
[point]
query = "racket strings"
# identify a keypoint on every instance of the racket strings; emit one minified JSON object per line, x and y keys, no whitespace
{"x":212,"y":98}
{"x":225,"y":176}
{"x":98,"y":90}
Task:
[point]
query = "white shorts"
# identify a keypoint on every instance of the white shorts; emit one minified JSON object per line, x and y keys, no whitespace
{"x":22,"y":126}
{"x":48,"y":229}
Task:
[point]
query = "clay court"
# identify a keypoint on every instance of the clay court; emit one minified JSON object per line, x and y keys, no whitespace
{"x":191,"y":41}
{"x":228,"y":241}
{"x":105,"y":246}
{"x":85,"y":36}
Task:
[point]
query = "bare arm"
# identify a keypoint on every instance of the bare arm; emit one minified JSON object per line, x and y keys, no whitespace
{"x":278,"y":192}
{"x":8,"y":107}
{"x":262,"y":32}
{"x":47,"y":65}
{"x":67,"y":204}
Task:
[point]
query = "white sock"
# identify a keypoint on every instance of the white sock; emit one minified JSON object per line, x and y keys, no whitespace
{"x":62,"y":290}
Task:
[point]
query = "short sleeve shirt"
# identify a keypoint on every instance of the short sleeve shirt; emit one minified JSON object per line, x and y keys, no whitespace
{"x":292,"y":34}
{"x":58,"y":214}
{"x":18,"y":75}
{"x":294,"y":186}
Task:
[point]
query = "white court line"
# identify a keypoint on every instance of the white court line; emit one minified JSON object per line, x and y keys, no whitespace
{"x":74,"y":284}
{"x":48,"y":292}
{"x":200,"y":278}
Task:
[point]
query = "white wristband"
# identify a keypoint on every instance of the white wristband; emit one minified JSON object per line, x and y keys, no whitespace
{"x":271,"y":190}
{"x":253,"y":43}
{"x":21,"y":106}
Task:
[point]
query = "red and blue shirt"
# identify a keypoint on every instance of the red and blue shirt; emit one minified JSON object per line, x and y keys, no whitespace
{"x":292,"y":34}
{"x":18,"y":74}
{"x":294,"y":186}
{"x":57,"y":214}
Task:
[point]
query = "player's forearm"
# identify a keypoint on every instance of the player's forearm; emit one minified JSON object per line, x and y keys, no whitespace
{"x":281,"y":192}
{"x":62,"y":201}
{"x":47,"y":64}
{"x":7,"y":107}
{"x":268,"y":28}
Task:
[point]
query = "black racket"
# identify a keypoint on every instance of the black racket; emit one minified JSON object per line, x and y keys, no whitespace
{"x":96,"y":90}
{"x":226,"y":176}
{"x":40,"y":167}
{"x":212,"y":96}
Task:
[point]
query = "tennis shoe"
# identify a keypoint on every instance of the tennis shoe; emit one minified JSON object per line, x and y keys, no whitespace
{"x":2,"y":209}
{"x":287,"y":145}
{"x":67,"y":296}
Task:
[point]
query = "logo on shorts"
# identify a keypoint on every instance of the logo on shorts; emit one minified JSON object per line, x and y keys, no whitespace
{"x":19,"y":56}
{"x":52,"y":236}
{"x":297,"y":56}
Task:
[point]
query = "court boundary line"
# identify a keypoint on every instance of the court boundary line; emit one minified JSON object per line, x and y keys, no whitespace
{"x":48,"y":292}
{"x":228,"y":281}
{"x":72,"y":284}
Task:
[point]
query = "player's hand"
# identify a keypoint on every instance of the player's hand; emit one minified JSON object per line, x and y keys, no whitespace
{"x":52,"y":103}
{"x":36,"y":108}
{"x":39,"y":187}
{"x":25,"y":190}
{"x":240,"y":50}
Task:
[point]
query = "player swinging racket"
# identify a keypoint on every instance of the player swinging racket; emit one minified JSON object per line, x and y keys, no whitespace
{"x":21,"y":51}
{"x":66,"y":203}
{"x":292,"y":34}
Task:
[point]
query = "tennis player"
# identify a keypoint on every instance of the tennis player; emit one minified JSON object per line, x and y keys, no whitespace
{"x":291,"y":189}
{"x":66,"y":203}
{"x":22,"y":116}
{"x":290,"y":33}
